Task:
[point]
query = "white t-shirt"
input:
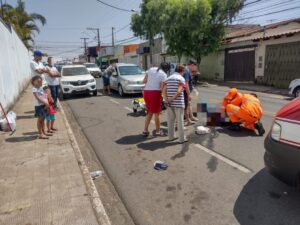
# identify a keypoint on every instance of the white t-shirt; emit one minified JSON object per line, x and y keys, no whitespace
{"x":52,"y":81}
{"x":40,"y":93}
{"x":155,"y":78}
{"x":34,"y":66}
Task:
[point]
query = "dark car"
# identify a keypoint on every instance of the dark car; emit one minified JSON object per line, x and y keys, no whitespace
{"x":282,"y":156}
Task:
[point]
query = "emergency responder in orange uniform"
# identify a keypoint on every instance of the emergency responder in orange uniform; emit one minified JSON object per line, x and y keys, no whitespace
{"x":232,"y":97}
{"x":245,"y":109}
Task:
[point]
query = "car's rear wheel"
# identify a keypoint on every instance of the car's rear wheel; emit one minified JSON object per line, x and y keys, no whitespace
{"x":297,"y":92}
{"x":120,"y":90}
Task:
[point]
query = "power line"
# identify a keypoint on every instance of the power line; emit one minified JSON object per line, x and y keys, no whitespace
{"x":267,"y":14}
{"x":114,"y":7}
{"x":117,"y":31}
{"x":276,"y":5}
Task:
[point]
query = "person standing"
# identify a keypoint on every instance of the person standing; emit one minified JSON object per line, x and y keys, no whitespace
{"x":173,"y":94}
{"x":53,"y":82}
{"x":38,"y":68}
{"x":154,"y":81}
{"x":190,"y":71}
{"x":106,"y":78}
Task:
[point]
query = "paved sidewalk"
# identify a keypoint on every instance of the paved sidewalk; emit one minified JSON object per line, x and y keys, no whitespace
{"x":40,"y":180}
{"x":248,"y":87}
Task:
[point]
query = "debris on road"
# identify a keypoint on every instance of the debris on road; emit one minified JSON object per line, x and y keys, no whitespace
{"x":159,"y":165}
{"x":96,"y":174}
{"x":8,"y":123}
{"x":202,"y":130}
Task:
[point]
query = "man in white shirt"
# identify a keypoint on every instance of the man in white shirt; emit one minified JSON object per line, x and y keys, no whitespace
{"x":52,"y":80}
{"x":37,"y":67}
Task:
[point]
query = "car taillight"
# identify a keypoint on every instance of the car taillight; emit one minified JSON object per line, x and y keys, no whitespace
{"x":276,"y":131}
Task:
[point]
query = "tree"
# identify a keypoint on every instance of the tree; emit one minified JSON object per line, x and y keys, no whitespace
{"x":193,"y":28}
{"x":147,"y":24}
{"x":23,"y":22}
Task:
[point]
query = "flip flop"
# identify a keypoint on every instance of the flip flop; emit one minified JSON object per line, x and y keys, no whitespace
{"x":145,"y":133}
{"x":54,"y":129}
{"x":43,"y":137}
{"x":161,"y":133}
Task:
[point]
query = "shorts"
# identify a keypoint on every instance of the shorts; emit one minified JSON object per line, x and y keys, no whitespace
{"x":153,"y":101}
{"x":50,"y":117}
{"x":106,"y":81}
{"x":40,"y":111}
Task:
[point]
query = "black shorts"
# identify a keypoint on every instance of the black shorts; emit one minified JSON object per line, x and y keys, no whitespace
{"x":106,"y":81}
{"x":41,"y":111}
{"x":186,"y":100}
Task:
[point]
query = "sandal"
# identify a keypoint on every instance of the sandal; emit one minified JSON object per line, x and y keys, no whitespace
{"x":145,"y":133}
{"x":54,"y":129}
{"x":43,"y":137}
{"x":161,"y":133}
{"x":49,"y":135}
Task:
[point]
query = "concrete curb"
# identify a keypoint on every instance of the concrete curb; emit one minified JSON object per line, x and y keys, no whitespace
{"x":97,"y":204}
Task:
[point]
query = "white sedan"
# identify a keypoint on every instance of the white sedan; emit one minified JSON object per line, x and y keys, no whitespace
{"x":294,"y":88}
{"x":76,"y":79}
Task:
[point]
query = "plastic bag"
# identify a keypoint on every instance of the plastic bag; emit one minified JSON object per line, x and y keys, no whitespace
{"x":11,"y":117}
{"x":202,"y":130}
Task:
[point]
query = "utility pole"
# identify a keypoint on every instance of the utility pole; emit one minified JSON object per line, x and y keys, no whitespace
{"x":85,"y":47}
{"x":113,"y":37}
{"x":98,"y":37}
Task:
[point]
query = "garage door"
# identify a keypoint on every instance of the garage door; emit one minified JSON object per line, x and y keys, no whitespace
{"x":240,"y":64}
{"x":282,"y":64}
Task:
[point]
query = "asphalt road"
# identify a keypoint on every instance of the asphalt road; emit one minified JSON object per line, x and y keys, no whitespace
{"x":215,"y":179}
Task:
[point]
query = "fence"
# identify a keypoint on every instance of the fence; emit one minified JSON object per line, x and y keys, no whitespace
{"x":14,"y":65}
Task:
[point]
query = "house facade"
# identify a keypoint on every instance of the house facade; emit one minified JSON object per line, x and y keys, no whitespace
{"x":262,"y":54}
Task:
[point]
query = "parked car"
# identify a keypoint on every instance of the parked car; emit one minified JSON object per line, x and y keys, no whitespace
{"x":295,"y":88}
{"x":76,"y":79}
{"x":282,"y":156}
{"x":93,"y":69}
{"x":127,"y":79}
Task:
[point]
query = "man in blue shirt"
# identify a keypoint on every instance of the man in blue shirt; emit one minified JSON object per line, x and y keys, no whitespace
{"x":190,"y":71}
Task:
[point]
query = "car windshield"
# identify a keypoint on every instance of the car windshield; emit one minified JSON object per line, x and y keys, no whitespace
{"x":91,"y":66}
{"x":130,"y":70}
{"x":74,"y":71}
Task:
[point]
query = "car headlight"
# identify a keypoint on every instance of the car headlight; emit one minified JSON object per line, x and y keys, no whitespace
{"x":65,"y":82}
{"x":276,"y":131}
{"x":91,"y":80}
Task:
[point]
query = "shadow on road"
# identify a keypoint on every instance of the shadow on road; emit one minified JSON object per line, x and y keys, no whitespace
{"x":132,"y":139}
{"x":25,"y":117}
{"x":242,"y":133}
{"x":21,"y":139}
{"x":266,"y":201}
{"x":137,"y":114}
{"x":156,"y":145}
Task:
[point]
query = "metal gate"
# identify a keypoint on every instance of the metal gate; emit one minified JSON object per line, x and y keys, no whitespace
{"x":282,"y":64}
{"x":240,"y":64}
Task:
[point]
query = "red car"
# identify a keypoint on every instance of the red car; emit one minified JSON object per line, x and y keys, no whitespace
{"x":282,"y":156}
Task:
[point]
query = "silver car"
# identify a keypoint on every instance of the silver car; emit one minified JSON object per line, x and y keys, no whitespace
{"x":127,"y":79}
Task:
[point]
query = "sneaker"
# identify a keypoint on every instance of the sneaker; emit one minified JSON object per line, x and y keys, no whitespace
{"x":259,"y":127}
{"x":235,"y":127}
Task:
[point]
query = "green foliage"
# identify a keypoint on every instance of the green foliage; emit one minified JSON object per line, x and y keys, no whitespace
{"x":193,"y":28}
{"x":23,"y":22}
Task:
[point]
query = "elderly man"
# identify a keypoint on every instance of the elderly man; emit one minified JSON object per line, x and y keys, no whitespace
{"x":52,"y":80}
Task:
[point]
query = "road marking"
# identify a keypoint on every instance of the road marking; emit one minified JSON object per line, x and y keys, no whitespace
{"x":224,"y":159}
{"x":127,"y":108}
{"x":112,"y":100}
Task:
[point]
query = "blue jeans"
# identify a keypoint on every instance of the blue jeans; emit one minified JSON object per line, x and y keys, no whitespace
{"x":54,"y":92}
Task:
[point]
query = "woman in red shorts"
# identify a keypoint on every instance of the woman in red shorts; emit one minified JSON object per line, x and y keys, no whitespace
{"x":154,"y":81}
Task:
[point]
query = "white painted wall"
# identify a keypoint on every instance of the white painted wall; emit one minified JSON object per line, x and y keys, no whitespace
{"x":14,"y":66}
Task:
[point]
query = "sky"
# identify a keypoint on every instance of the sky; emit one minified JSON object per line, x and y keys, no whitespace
{"x":67,"y":21}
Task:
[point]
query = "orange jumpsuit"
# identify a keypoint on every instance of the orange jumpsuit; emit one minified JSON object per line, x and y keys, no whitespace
{"x":246,"y":110}
{"x":229,"y":99}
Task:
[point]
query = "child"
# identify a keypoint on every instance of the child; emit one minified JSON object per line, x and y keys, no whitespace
{"x":41,"y":105}
{"x":50,"y":118}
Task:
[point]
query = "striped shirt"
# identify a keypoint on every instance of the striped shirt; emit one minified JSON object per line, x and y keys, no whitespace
{"x":173,"y":82}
